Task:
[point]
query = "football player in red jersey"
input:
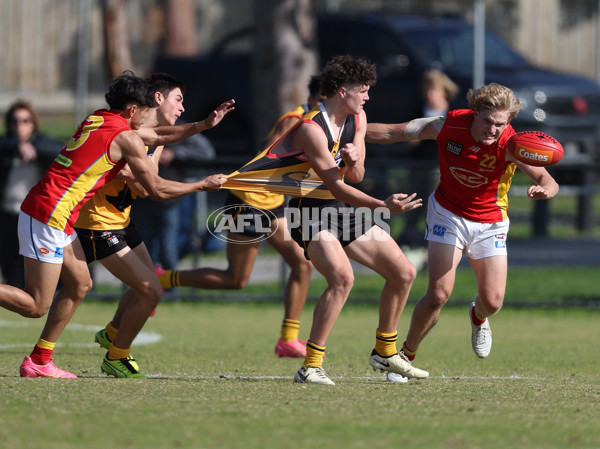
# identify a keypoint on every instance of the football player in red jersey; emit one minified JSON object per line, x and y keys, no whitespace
{"x":467,"y":213}
{"x":103,"y":143}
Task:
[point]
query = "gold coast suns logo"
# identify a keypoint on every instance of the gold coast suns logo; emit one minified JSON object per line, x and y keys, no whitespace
{"x":468,"y":178}
{"x":91,"y":123}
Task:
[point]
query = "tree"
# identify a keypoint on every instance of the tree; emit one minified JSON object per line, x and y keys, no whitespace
{"x":285,"y":57}
{"x":118,"y":52}
{"x":180,"y":28}
{"x":177,"y":23}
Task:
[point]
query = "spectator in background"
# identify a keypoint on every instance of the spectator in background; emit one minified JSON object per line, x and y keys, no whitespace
{"x":161,"y":224}
{"x":24,"y":153}
{"x":437,"y":91}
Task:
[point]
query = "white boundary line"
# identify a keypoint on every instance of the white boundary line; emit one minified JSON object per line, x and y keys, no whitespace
{"x":149,"y":337}
{"x":143,"y":338}
{"x":369,"y":378}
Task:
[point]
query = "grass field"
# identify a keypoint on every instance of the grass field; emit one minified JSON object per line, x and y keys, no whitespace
{"x":215,"y":383}
{"x":553,"y":286}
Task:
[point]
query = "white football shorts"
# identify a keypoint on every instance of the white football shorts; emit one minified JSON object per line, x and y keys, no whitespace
{"x":40,"y":241}
{"x":476,"y":240}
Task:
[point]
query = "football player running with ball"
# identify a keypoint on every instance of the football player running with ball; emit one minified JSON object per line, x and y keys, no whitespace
{"x":467,"y":213}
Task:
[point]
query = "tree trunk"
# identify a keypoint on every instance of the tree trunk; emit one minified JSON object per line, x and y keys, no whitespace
{"x":180,"y":28}
{"x":118,"y":51}
{"x":284,"y":59}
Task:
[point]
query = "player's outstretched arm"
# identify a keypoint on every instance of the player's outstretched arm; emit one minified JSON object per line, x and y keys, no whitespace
{"x":545,"y":185}
{"x":217,"y":115}
{"x":401,"y":202}
{"x":426,"y":128}
{"x":129,"y":146}
{"x":165,"y":135}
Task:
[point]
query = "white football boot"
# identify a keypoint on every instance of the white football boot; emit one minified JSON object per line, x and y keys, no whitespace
{"x":481,"y":336}
{"x":397,"y":363}
{"x":312,"y":375}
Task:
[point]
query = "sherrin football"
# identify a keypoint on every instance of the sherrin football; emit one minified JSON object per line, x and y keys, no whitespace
{"x":535,"y":148}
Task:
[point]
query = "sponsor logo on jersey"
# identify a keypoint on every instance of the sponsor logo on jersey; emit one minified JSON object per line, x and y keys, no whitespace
{"x":439,"y":230}
{"x":475,"y":149}
{"x":535,"y":155}
{"x":468,"y":178}
{"x":111,"y":240}
{"x":500,"y":241}
{"x":43,"y":250}
{"x":63,"y":160}
{"x":58,"y":252}
{"x":454,"y":147}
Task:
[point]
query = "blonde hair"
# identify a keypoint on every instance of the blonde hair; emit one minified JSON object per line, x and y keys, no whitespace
{"x":437,"y":78}
{"x":496,"y":97}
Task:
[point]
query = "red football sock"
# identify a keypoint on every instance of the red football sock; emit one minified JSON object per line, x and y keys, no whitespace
{"x":475,"y":318}
{"x":41,"y":356}
{"x":410,"y":355}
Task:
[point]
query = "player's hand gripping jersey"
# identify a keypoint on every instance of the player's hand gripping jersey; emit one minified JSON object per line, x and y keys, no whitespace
{"x":280,"y":171}
{"x":264,"y":200}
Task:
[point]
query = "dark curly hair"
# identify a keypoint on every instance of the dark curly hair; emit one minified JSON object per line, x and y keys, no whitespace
{"x":164,"y":83}
{"x":346,"y":70}
{"x":128,"y":89}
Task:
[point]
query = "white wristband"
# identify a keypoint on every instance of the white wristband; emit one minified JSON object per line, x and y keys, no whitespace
{"x":414,"y":127}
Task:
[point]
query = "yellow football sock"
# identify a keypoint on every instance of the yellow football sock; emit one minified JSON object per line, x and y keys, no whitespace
{"x":314,"y":355}
{"x":169,"y":279}
{"x":46,"y":344}
{"x":115,"y":353}
{"x":111,"y":331}
{"x":290,"y":329}
{"x":385,"y":344}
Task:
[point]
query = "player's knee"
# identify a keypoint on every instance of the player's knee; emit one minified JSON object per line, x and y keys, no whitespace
{"x":35,"y":311}
{"x":155,"y":293}
{"x":343,"y":282}
{"x":302,"y":269}
{"x":150,"y":292}
{"x":83,"y":288}
{"x":404,"y":276}
{"x":491,"y":303}
{"x":238,"y":282}
{"x":79,"y":290}
{"x":437,"y":297}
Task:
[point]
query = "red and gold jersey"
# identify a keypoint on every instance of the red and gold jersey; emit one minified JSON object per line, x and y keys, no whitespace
{"x":289,"y":173}
{"x":109,"y":208}
{"x":474,"y":178}
{"x":81,"y":168}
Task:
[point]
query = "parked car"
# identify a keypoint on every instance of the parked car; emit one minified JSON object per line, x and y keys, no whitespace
{"x":403,"y":47}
